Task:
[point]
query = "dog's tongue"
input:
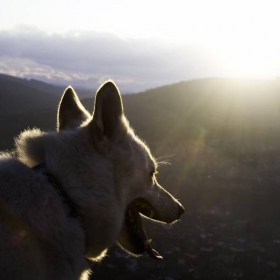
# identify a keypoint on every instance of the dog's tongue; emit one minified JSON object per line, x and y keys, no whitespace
{"x":147,"y":242}
{"x":152,"y":252}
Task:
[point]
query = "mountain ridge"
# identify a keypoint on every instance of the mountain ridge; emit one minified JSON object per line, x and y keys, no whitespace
{"x":223,"y":107}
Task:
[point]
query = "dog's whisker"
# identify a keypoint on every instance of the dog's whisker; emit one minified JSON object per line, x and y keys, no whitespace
{"x":164,"y":156}
{"x":160,"y":160}
{"x":159,"y":163}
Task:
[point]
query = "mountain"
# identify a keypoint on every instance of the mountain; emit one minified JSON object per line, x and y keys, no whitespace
{"x":239,"y":108}
{"x":14,"y":93}
{"x":222,"y":140}
{"x":27,"y":103}
{"x":56,"y":90}
{"x":222,"y":107}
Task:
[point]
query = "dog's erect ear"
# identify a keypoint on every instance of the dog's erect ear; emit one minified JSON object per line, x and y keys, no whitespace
{"x":108,"y":111}
{"x":71,"y":113}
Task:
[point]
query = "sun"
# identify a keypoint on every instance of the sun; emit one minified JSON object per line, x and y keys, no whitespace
{"x":241,"y":36}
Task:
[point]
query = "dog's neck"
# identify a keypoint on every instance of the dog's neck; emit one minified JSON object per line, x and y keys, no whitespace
{"x":42,"y":168}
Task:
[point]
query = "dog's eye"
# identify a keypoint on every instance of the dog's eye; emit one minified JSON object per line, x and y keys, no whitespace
{"x":153,"y":173}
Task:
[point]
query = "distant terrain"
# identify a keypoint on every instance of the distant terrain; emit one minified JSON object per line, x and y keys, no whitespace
{"x":222,"y":139}
{"x":28,"y":103}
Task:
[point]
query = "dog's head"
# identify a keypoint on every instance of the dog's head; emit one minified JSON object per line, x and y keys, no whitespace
{"x":130,"y":163}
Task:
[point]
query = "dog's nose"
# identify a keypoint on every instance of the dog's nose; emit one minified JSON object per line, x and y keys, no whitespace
{"x":181,"y":210}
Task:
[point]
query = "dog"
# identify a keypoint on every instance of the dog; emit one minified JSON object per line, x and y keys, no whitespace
{"x":67,"y":196}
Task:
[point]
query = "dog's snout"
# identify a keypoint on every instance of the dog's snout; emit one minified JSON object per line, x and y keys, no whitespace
{"x":181,"y":210}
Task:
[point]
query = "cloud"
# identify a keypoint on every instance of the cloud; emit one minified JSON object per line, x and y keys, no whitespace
{"x":88,"y":58}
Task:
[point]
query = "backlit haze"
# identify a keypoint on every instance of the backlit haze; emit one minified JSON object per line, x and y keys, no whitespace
{"x":140,"y":44}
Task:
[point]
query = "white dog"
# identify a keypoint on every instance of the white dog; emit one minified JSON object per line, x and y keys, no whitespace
{"x":69,"y":195}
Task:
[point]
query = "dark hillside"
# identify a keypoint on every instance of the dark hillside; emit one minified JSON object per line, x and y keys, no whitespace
{"x":27,"y":103}
{"x":22,"y":98}
{"x":7,"y":82}
{"x":230,"y":108}
{"x":222,"y":138}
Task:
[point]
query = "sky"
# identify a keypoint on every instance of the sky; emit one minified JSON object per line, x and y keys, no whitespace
{"x":139,"y":44}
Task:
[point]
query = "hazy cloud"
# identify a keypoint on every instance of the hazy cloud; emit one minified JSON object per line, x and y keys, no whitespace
{"x":88,"y":58}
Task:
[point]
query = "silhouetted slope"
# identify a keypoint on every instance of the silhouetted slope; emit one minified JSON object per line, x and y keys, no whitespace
{"x":22,"y":99}
{"x":225,"y":107}
{"x":239,"y":108}
{"x":22,"y":106}
{"x":7,"y":83}
{"x":18,"y":98}
{"x":27,"y":103}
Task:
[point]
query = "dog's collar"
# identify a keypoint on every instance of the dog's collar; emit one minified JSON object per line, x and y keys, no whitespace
{"x":42,"y":168}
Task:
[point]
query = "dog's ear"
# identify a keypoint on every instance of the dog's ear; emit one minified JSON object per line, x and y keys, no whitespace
{"x":71,"y":113}
{"x":107,"y":121}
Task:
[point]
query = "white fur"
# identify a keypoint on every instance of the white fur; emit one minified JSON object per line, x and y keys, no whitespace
{"x":100,"y":164}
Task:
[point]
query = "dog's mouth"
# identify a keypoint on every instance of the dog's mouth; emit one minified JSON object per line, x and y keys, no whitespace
{"x":133,"y":237}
